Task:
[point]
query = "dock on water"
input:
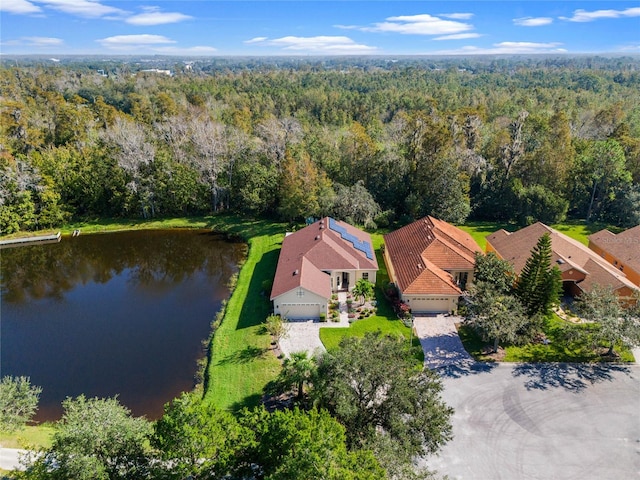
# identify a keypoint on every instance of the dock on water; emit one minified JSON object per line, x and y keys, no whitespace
{"x":35,"y":240}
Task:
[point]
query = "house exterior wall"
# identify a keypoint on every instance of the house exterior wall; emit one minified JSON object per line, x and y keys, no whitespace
{"x":489,"y":248}
{"x":573,"y":275}
{"x":371,"y":274}
{"x":354,"y":276}
{"x":456,"y":274}
{"x":292,"y":297}
{"x":390,"y":271}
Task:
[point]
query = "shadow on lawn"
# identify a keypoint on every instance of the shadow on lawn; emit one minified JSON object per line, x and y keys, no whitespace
{"x":250,"y":402}
{"x":248,"y":354}
{"x":257,"y":306}
{"x":574,"y":377}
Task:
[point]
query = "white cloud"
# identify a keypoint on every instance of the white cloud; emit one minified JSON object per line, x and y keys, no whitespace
{"x":153,"y":16}
{"x":197,"y":50}
{"x":457,"y":16}
{"x":630,"y":48}
{"x":532,"y":21}
{"x":19,"y":6}
{"x":153,"y":44}
{"x":133,"y":41}
{"x":83,"y":8}
{"x":459,"y":36}
{"x":37,"y":42}
{"x":327,"y":45}
{"x":585,"y":16}
{"x":42,"y":41}
{"x":423,"y":24}
{"x":256,"y":40}
{"x":507,"y":48}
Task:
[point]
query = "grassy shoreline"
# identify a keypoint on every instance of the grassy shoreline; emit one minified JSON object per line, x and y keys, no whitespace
{"x":263,"y":237}
{"x":240,"y":361}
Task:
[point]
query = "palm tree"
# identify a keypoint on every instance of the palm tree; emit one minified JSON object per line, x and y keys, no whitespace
{"x":364,"y":289}
{"x":297,"y":370}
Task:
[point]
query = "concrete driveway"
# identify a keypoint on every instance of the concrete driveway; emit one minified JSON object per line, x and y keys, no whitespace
{"x":440,"y":341}
{"x":10,"y":458}
{"x":304,"y":335}
{"x":534,"y":421}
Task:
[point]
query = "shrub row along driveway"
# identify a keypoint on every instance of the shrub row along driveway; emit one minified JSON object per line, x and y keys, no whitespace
{"x":534,"y":421}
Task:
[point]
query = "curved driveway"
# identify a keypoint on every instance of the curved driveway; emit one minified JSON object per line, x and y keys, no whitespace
{"x":534,"y":421}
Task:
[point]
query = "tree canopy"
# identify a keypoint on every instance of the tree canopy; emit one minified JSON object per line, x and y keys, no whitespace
{"x":373,"y":385}
{"x":18,"y":402}
{"x":539,"y":284}
{"x":615,"y":323}
{"x":451,"y":138}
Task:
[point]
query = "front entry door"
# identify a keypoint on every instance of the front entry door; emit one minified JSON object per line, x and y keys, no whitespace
{"x":345,"y":280}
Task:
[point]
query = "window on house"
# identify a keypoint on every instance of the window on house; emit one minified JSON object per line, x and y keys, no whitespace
{"x":365,"y":275}
{"x":300,"y":293}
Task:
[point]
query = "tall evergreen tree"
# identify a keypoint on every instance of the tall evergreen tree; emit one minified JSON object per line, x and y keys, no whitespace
{"x":540,"y":284}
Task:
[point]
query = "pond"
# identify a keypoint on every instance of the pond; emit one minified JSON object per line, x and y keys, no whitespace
{"x":113,"y":314}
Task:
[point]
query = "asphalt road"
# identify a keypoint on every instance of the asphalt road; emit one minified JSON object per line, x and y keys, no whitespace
{"x":551,"y":421}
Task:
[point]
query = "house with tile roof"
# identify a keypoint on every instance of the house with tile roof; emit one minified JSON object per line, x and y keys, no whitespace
{"x":431,"y":263}
{"x":325,"y":257}
{"x":581,"y":267}
{"x":621,"y":250}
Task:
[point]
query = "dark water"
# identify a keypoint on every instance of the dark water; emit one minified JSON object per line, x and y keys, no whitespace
{"x":118,"y":313}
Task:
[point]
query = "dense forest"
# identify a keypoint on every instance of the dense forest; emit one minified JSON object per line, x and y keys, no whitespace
{"x":370,"y":140}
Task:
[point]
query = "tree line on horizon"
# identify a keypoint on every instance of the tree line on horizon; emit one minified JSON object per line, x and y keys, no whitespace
{"x":507,"y":141}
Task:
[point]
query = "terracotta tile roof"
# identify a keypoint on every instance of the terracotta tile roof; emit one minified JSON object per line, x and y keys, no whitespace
{"x":423,"y":251}
{"x":567,"y":254}
{"x":432,"y":280}
{"x":324,"y":245}
{"x":625,"y":246}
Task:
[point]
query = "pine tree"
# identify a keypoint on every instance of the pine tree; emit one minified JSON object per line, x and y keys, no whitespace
{"x":540,"y":283}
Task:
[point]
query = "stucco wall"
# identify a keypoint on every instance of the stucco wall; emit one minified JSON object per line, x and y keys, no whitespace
{"x":292,"y":297}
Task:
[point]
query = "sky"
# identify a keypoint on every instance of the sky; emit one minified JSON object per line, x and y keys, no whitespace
{"x":308,"y":28}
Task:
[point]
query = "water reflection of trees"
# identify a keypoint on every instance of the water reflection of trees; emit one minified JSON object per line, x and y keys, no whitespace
{"x":154,"y":260}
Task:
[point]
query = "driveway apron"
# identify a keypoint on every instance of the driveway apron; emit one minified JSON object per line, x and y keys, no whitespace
{"x":440,"y":341}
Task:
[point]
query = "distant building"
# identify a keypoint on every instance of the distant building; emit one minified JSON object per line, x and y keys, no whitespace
{"x":157,"y":70}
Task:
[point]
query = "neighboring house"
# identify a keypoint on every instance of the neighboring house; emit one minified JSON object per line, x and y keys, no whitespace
{"x":581,"y":268}
{"x":431,"y":263}
{"x":621,"y":250}
{"x":325,"y":257}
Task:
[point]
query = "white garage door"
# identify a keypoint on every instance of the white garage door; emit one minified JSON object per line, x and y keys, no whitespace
{"x":297,"y":311}
{"x":431,"y":305}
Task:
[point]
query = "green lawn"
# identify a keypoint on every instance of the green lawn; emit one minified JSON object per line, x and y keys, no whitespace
{"x":576,"y":229}
{"x":30,"y":436}
{"x":480,"y":230}
{"x":561,"y":347}
{"x":242,"y":362}
{"x":384,"y":321}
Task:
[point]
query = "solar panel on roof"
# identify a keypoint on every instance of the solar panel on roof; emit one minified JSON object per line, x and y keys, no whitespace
{"x":360,"y":245}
